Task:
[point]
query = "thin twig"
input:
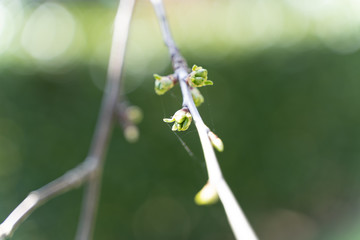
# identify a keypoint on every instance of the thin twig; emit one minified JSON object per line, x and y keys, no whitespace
{"x":238,"y":222}
{"x":106,"y":117}
{"x":90,"y":169}
{"x":70,"y":180}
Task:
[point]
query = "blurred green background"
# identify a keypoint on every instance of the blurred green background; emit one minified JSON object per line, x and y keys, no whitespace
{"x":285,"y":101}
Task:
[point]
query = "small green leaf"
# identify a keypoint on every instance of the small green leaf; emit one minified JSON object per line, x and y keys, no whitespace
{"x":208,"y":82}
{"x":169,"y":120}
{"x":157,"y":77}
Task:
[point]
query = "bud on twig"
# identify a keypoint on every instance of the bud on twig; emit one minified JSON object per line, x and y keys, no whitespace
{"x":207,"y":195}
{"x":198,"y":77}
{"x":182,"y":119}
{"x":131,"y":133}
{"x":134,"y":114}
{"x":128,"y":117}
{"x":163,"y":83}
{"x":216,"y":141}
{"x":197,"y":97}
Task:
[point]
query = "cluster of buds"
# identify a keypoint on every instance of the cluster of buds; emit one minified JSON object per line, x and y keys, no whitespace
{"x":164,"y":83}
{"x":198,"y":77}
{"x":182,"y":120}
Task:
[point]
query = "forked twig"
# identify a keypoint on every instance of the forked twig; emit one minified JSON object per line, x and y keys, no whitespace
{"x":90,"y":169}
{"x":238,"y":222}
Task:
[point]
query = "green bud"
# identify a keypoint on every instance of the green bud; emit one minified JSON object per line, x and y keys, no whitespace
{"x":134,"y":114}
{"x":216,"y":141}
{"x":180,"y":116}
{"x":207,"y":195}
{"x":182,"y":120}
{"x":198,"y":81}
{"x":186,"y":124}
{"x":200,"y":72}
{"x":163,"y":83}
{"x":197,"y":97}
{"x":131,"y":133}
{"x":198,"y":77}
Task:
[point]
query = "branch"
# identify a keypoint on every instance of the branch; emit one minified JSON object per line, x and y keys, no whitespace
{"x":91,"y":168}
{"x":70,"y":180}
{"x":238,"y":222}
{"x":106,"y":117}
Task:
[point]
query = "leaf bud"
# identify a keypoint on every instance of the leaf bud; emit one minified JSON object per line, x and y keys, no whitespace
{"x":197,"y":96}
{"x":182,"y":120}
{"x":216,"y":141}
{"x":163,"y":83}
{"x":207,"y":195}
{"x":131,"y":133}
{"x":134,"y":114}
{"x":198,"y":77}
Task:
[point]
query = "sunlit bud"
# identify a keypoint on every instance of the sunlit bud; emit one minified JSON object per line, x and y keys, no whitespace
{"x":163,"y":83}
{"x":197,"y":97}
{"x":180,"y":115}
{"x":198,"y":77}
{"x":207,"y":195}
{"x":182,"y":120}
{"x":216,"y":141}
{"x":134,"y":114}
{"x":200,"y":72}
{"x":131,"y":133}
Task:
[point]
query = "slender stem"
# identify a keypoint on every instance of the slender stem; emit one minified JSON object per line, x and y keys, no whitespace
{"x":238,"y":222}
{"x":106,"y":117}
{"x":91,"y":168}
{"x":70,"y":180}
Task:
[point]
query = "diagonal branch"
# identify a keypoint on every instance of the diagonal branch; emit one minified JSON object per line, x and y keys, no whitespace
{"x":90,"y":169}
{"x":70,"y":180}
{"x":238,"y":222}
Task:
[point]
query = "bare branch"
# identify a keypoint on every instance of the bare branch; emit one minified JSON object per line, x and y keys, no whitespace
{"x":91,"y":169}
{"x":106,"y":117}
{"x":238,"y":222}
{"x":70,"y":180}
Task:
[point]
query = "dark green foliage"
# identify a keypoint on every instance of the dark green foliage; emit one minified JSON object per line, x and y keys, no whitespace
{"x":290,"y":123}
